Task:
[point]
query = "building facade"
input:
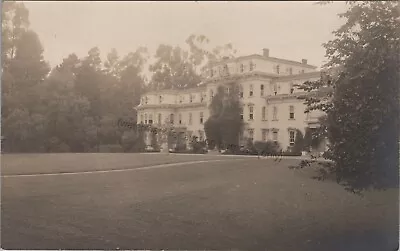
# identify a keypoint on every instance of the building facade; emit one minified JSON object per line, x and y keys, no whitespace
{"x":271,"y":108}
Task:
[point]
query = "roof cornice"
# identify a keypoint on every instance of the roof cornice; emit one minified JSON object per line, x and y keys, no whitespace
{"x":257,"y":56}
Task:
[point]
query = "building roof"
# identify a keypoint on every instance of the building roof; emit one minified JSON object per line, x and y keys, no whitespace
{"x":274,"y":59}
{"x":177,"y":91}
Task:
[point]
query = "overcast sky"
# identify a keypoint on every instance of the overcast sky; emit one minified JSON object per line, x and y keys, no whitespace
{"x":291,"y":30}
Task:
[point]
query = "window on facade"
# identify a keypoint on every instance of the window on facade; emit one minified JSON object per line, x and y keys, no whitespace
{"x":191,"y":98}
{"x":275,"y":113}
{"x":180,"y":99}
{"x":180,"y":118}
{"x":291,"y":112}
{"x":226,"y":70}
{"x":240,"y":91}
{"x":263,"y":113}
{"x":201,"y":97}
{"x":190,"y":118}
{"x":241,"y":68}
{"x":145,"y":118}
{"x":251,"y":134}
{"x":201,"y":117}
{"x":141,"y":118}
{"x":150,"y":118}
{"x":160,"y":99}
{"x":290,"y":71}
{"x":275,"y":136}
{"x":251,"y":66}
{"x":159,"y":119}
{"x":251,"y":91}
{"x":146,"y":100}
{"x":241,"y":113}
{"x":251,"y":112}
{"x":211,"y":95}
{"x":277,"y":69}
{"x":171,"y":118}
{"x":262,"y":90}
{"x":302,"y":71}
{"x":291,"y":137}
{"x":291,"y":86}
{"x":264,"y":134}
{"x":275,"y":89}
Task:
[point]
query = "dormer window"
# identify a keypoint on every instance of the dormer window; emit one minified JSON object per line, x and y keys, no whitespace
{"x":252,"y":66}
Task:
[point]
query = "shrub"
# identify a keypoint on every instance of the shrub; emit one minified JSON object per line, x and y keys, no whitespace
{"x":267,"y":147}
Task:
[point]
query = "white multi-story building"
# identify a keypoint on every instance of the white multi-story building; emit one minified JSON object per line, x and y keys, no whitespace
{"x":271,"y":108}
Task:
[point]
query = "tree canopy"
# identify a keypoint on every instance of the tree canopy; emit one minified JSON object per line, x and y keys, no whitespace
{"x":75,"y":106}
{"x":224,"y":125}
{"x":362,"y":106}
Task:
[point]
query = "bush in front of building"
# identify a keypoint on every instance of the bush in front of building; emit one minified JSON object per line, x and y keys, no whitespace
{"x":267,"y":148}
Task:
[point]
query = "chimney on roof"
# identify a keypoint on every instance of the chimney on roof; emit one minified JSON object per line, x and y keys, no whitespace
{"x":304,"y":61}
{"x":266,"y":52}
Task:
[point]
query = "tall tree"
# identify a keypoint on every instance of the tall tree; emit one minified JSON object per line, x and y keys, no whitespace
{"x":24,"y":70}
{"x":178,"y":68}
{"x":224,"y":125}
{"x":362,"y":109}
{"x":172,"y":69}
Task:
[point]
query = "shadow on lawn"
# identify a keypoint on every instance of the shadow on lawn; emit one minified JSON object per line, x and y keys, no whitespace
{"x":326,"y":171}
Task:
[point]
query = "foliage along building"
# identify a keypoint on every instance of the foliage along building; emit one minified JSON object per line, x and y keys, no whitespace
{"x":271,"y":110}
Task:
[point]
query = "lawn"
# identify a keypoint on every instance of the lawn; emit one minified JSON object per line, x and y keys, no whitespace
{"x":236,"y":203}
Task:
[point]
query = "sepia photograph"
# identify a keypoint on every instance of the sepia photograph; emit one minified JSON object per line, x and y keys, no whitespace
{"x":200,"y":125}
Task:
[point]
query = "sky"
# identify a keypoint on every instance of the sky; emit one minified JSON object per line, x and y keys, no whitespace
{"x":290,"y":30}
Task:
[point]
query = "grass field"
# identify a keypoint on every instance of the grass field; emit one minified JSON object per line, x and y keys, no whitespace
{"x":197,"y":202}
